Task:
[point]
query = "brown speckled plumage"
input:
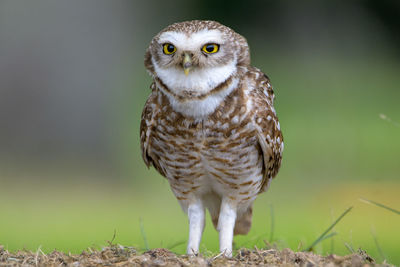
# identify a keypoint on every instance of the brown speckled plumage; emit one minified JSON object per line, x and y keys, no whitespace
{"x":231,"y":153}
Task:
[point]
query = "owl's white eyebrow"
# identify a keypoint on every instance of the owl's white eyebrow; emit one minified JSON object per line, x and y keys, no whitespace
{"x":172,"y":37}
{"x":207,"y":36}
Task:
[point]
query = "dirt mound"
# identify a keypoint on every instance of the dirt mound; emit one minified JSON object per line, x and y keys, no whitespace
{"x":127,"y":256}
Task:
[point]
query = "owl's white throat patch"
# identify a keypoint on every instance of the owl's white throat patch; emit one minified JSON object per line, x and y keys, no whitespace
{"x":201,"y":108}
{"x":198,"y":82}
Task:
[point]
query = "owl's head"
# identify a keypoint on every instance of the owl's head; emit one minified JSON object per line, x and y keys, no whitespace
{"x":196,"y":55}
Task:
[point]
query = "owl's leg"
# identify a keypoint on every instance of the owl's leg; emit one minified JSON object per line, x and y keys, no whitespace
{"x":226,"y":224}
{"x":196,"y":214}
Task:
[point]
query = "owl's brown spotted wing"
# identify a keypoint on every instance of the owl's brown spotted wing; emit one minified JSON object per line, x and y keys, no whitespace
{"x":147,"y":124}
{"x":268,"y":129}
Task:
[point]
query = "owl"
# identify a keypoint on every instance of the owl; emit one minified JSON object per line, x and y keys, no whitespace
{"x":209,"y":126}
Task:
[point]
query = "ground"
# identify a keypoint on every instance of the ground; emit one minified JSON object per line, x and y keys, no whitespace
{"x":117,"y":255}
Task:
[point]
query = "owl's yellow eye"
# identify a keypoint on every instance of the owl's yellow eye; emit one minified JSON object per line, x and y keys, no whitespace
{"x":210,"y":48}
{"x":169,"y":49}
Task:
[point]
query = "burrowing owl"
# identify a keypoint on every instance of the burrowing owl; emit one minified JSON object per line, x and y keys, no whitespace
{"x":209,"y":126}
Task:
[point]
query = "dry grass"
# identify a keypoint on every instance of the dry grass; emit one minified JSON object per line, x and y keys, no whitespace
{"x":117,"y":255}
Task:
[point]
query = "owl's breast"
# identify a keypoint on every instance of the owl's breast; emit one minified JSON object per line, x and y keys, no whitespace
{"x":209,"y":154}
{"x":233,"y":154}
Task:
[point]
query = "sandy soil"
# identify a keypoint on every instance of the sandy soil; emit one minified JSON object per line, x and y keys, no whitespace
{"x":117,"y":255}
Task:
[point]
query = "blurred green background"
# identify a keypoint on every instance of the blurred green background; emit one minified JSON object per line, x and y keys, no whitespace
{"x":72,"y":87}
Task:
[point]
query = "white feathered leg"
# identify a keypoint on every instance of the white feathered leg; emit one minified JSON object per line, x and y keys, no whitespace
{"x":196,"y":216}
{"x":226,"y":224}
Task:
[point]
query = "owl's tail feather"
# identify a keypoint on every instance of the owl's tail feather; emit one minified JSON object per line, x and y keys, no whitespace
{"x":215,"y":221}
{"x":243,"y":223}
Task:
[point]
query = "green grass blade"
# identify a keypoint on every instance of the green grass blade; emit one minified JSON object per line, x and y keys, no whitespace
{"x":110,"y":242}
{"x":349,"y":247}
{"x":321,"y":237}
{"x":176,"y":244}
{"x":332,"y":239}
{"x":253,"y":239}
{"x":328,"y":236}
{"x":379,"y":248}
{"x":272,"y":229}
{"x":379,"y":205}
{"x":146,"y":244}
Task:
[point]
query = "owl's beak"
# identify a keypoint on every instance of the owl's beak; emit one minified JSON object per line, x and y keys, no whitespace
{"x":187,"y":63}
